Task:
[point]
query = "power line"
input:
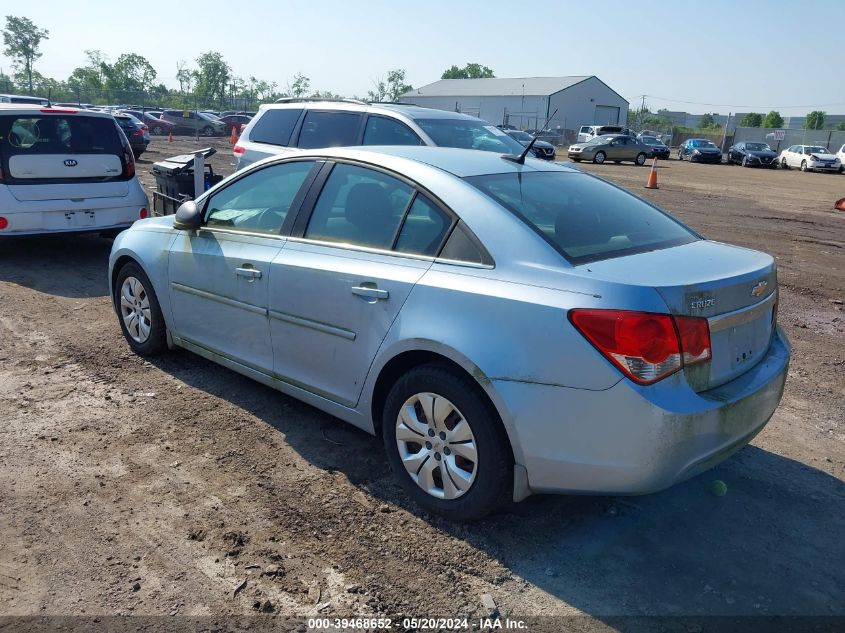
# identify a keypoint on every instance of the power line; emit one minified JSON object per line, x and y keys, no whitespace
{"x":734,"y":105}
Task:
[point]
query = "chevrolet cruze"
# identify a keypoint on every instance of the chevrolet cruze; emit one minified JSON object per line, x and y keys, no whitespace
{"x":507,"y":327}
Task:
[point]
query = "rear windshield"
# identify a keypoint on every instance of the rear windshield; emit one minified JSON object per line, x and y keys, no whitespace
{"x":51,"y":134}
{"x":469,"y":134}
{"x":583,"y":217}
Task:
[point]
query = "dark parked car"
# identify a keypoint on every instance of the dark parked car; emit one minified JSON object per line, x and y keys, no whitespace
{"x":541,"y":149}
{"x":752,"y":155}
{"x":134,"y":132}
{"x":236,"y":121}
{"x":157,"y":126}
{"x":700,"y":150}
{"x":192,"y":122}
{"x":658,"y":148}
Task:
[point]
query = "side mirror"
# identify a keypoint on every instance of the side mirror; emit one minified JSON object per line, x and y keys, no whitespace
{"x":188,"y":217}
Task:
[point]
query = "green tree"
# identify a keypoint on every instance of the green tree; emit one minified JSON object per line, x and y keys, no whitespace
{"x":752,"y":119}
{"x":815,"y":120}
{"x":22,"y":39}
{"x":390,"y":88}
{"x":299,"y":87}
{"x":211,"y":78}
{"x":470,"y":71}
{"x":130,"y":73}
{"x":184,"y":76}
{"x":707,"y":122}
{"x":840,"y":127}
{"x":773,"y":120}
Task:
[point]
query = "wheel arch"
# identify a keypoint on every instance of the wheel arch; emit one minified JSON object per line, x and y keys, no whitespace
{"x":430,"y":352}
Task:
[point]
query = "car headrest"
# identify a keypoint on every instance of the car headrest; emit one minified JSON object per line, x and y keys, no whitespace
{"x":368,"y":205}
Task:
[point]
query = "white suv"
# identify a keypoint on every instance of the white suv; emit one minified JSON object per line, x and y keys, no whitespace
{"x":289,"y":124}
{"x":65,"y":170}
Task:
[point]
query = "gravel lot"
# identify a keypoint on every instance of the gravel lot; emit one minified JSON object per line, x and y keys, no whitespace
{"x":159,"y":488}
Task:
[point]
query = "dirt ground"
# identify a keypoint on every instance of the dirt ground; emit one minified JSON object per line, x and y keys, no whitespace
{"x":178,"y":488}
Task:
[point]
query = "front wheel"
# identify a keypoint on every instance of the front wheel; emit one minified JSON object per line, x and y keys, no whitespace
{"x":783,"y":164}
{"x":599,"y":158}
{"x":640,"y":160}
{"x":138,"y":311}
{"x":158,"y":130}
{"x":803,"y":165}
{"x":680,"y":155}
{"x":445,"y":444}
{"x":744,"y":161}
{"x":208,"y":131}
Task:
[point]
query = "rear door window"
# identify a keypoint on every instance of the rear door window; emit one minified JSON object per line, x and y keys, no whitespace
{"x":383,"y":131}
{"x":275,"y":126}
{"x":424,"y":228}
{"x":359,"y":206}
{"x":329,"y":129}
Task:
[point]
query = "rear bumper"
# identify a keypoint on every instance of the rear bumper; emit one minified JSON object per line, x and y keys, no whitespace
{"x":634,"y":440}
{"x":70,"y":221}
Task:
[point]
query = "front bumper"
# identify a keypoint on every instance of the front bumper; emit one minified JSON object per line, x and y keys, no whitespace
{"x":630,"y":439}
{"x":816,"y":166}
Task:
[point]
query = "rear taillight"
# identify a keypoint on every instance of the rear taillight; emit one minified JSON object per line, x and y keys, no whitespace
{"x":645,"y":346}
{"x":3,"y":223}
{"x":238,"y":150}
{"x":142,"y":213}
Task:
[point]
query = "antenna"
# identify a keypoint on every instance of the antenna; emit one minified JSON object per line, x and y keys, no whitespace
{"x":521,"y":158}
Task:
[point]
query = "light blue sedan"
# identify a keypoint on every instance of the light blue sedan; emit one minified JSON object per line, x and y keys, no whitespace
{"x":507,"y":328}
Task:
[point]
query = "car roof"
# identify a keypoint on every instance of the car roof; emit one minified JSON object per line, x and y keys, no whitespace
{"x":459,"y":162}
{"x":407,"y":110}
{"x":33,"y":108}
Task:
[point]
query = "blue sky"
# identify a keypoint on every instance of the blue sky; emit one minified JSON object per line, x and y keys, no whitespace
{"x":718,"y":55}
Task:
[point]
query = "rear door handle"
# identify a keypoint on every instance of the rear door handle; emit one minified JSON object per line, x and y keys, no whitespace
{"x":248,"y":272}
{"x":370,"y":293}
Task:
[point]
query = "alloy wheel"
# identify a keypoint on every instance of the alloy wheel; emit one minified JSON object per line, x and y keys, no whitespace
{"x":436,"y":445}
{"x":135,"y":309}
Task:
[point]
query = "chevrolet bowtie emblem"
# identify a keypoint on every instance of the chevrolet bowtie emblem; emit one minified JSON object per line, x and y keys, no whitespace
{"x":759,"y":289}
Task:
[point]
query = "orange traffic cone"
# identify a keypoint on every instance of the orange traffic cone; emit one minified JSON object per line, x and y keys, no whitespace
{"x":233,"y":138}
{"x":840,"y":204}
{"x":652,"y":177}
{"x":170,"y":136}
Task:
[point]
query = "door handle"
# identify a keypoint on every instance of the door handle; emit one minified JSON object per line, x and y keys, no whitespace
{"x":369,"y":292}
{"x":248,"y":272}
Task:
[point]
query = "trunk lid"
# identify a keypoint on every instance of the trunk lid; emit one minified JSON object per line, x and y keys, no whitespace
{"x":734,"y":288}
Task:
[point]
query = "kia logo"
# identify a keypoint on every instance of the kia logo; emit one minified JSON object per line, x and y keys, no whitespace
{"x":70,"y":163}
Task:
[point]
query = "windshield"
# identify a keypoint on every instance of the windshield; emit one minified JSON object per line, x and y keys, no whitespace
{"x":469,"y":134}
{"x":208,"y":117}
{"x":520,"y":136}
{"x":651,"y":140}
{"x":817,"y":149}
{"x":703,"y":143}
{"x":758,"y":147}
{"x":583,"y":217}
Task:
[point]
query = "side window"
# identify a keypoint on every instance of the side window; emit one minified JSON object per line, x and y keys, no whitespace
{"x":383,"y":131}
{"x":275,"y":126}
{"x":585,"y":129}
{"x":462,"y":246}
{"x":359,"y":206}
{"x":329,"y":129}
{"x":424,"y":228}
{"x":259,"y":202}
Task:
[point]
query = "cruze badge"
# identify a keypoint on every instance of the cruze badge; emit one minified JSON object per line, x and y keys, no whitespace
{"x":700,"y":304}
{"x":70,"y":163}
{"x":759,"y":289}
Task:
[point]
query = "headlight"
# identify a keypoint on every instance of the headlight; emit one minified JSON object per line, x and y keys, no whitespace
{"x":813,"y":157}
{"x":695,"y":151}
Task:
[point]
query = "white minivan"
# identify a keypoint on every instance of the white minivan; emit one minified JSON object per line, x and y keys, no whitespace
{"x":65,"y":170}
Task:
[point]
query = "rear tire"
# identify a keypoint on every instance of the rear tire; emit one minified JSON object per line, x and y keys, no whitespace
{"x":158,"y":130}
{"x":599,"y":158}
{"x":491,"y":477}
{"x":138,"y":311}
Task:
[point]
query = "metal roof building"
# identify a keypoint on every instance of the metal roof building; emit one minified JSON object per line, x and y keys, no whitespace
{"x":526,"y":102}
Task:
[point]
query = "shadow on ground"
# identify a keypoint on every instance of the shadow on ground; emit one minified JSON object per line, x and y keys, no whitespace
{"x":771,"y":546}
{"x":65,"y":265}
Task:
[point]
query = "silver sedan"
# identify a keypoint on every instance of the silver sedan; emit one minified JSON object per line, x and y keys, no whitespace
{"x":615,"y":147}
{"x":507,"y":328}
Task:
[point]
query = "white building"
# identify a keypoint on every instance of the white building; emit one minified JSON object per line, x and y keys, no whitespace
{"x":526,"y":102}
